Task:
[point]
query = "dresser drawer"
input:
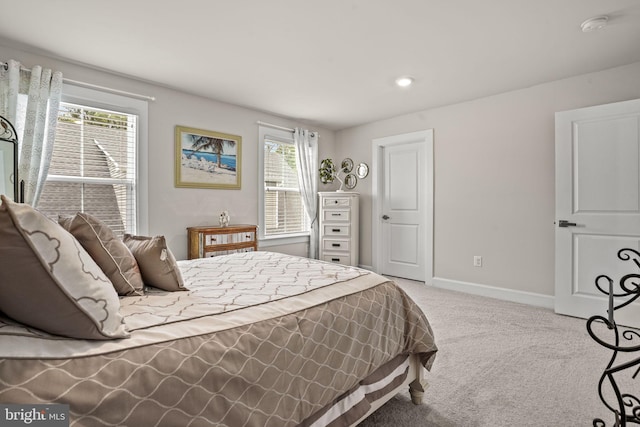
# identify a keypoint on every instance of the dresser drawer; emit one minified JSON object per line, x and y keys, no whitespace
{"x":339,"y":259}
{"x":335,"y":216}
{"x":336,"y":201}
{"x":232,"y":251}
{"x":335,"y":245}
{"x":335,"y":230}
{"x":248,"y":236}
{"x":217,"y":239}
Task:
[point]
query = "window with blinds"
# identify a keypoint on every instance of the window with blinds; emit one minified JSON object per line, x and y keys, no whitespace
{"x":284,"y":211}
{"x":93,"y":168}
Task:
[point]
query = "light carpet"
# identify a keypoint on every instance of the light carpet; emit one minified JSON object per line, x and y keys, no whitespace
{"x":501,"y":364}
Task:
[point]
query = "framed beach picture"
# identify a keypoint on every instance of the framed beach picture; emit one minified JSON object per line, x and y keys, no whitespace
{"x":207,"y":159}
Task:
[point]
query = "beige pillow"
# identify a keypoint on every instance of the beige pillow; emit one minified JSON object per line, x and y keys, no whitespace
{"x":49,"y":282}
{"x":157,"y":264}
{"x":107,"y":250}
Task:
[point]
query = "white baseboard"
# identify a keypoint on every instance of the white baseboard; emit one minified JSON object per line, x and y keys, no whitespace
{"x":530,"y":298}
{"x":366,"y":267}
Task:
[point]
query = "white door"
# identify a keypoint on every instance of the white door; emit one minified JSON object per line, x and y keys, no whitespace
{"x":403,"y":218}
{"x":598,"y":198}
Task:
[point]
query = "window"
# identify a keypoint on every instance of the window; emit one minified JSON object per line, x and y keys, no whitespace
{"x":94,"y":166}
{"x":282,"y":209}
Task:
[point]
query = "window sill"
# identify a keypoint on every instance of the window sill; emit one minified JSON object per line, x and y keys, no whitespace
{"x":265,"y":242}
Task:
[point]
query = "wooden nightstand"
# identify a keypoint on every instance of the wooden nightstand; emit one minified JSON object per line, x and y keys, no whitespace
{"x":208,"y":241}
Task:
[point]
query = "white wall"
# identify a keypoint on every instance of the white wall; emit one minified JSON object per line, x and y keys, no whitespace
{"x":172,"y":210}
{"x":494,"y":177}
{"x":494,"y":169}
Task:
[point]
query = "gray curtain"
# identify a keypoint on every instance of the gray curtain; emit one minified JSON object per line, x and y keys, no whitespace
{"x":30,"y":99}
{"x":306,"y":143}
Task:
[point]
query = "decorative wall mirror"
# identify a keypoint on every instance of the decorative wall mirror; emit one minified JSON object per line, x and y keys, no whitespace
{"x":347,"y":165}
{"x":8,"y":159}
{"x":350,"y":181}
{"x":362,"y":170}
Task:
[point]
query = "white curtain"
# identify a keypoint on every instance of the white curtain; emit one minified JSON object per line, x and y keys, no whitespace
{"x":30,"y":100}
{"x":307,"y":151}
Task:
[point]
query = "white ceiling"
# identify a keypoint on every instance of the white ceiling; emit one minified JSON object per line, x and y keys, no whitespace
{"x":331,"y":63}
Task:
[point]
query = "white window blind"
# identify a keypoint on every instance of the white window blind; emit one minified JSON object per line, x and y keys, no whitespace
{"x":93,"y":168}
{"x":284,"y":211}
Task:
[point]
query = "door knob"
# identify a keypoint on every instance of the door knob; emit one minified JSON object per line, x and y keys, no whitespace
{"x":385,"y":217}
{"x":565,"y":223}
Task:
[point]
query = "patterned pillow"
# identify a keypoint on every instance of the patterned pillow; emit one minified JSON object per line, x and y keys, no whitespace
{"x":157,"y":263}
{"x":107,"y":250}
{"x":49,"y":282}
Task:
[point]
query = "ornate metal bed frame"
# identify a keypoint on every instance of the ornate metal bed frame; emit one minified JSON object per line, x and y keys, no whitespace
{"x":624,"y":342}
{"x":8,"y":134}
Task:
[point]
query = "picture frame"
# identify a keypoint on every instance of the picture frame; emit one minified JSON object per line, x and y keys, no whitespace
{"x":207,"y":159}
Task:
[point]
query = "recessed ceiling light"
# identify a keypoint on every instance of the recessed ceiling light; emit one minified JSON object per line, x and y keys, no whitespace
{"x":594,"y":24}
{"x":404,"y":81}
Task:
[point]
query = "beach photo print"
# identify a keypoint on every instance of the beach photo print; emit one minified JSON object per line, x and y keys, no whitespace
{"x":207,"y":159}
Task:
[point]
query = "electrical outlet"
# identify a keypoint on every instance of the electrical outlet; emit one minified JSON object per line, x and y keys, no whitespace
{"x":477,"y":261}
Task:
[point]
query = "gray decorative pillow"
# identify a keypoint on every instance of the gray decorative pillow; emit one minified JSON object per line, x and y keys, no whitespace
{"x":157,"y":264}
{"x":49,"y":282}
{"x":107,"y":250}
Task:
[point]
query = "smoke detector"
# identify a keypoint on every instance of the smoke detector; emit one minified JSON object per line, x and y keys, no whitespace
{"x":594,"y":24}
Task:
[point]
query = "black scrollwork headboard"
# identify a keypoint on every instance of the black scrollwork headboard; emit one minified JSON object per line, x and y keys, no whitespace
{"x":624,"y":365}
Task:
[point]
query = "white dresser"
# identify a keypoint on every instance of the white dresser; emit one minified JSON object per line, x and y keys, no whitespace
{"x":338,"y":229}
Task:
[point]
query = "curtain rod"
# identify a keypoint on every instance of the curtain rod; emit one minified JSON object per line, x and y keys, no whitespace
{"x":110,"y":90}
{"x":92,"y":86}
{"x":282,"y":127}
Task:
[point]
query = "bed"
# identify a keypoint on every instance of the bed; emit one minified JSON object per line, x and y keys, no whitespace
{"x":258,"y":339}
